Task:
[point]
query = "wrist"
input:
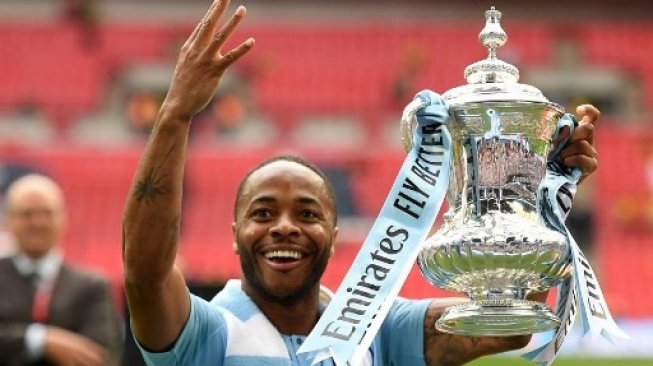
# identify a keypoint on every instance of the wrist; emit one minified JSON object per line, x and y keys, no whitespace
{"x":171,"y":112}
{"x":35,"y":341}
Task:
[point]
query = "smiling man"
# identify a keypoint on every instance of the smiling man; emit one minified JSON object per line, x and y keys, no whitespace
{"x":284,"y":232}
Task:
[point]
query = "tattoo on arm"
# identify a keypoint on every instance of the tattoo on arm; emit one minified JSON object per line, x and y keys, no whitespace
{"x":152,"y":185}
{"x":149,"y":188}
{"x":442,"y":349}
{"x":474,"y":341}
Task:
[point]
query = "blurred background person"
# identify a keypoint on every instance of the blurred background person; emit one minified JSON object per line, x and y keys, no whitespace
{"x":50,"y":313}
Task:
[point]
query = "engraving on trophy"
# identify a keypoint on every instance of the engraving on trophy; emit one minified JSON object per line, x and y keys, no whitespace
{"x":493,"y":245}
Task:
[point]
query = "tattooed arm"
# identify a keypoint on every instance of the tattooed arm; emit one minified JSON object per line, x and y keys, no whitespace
{"x":442,"y":349}
{"x":155,"y":289}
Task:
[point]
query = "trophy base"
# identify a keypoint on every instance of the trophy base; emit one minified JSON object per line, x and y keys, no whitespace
{"x":497,"y":318}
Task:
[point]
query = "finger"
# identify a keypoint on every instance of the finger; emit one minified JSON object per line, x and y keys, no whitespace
{"x":588,"y":113}
{"x":199,"y":25}
{"x":235,"y":54}
{"x":95,"y":348}
{"x":583,"y":132}
{"x":81,"y":357}
{"x":93,"y":357}
{"x":210,"y":22}
{"x":581,"y":147}
{"x":585,"y":163}
{"x":88,"y":347}
{"x":220,"y":37}
{"x":192,"y":36}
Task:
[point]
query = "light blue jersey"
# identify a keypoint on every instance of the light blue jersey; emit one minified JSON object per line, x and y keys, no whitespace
{"x":231,"y":331}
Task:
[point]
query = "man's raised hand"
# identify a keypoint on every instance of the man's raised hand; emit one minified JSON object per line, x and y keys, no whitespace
{"x":202,"y":62}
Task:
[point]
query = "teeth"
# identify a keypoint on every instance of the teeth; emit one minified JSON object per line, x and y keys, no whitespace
{"x":286,"y":254}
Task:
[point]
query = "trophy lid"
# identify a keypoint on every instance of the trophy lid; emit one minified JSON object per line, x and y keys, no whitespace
{"x":493,"y":80}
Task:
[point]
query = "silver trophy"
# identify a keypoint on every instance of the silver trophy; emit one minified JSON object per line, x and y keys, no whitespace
{"x":493,"y":246}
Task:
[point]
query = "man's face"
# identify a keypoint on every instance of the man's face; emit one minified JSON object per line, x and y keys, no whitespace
{"x":35,"y":219}
{"x":284,"y":231}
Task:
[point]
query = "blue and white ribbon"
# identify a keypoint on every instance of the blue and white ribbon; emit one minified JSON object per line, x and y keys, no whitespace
{"x":348,"y":326}
{"x":581,"y":291}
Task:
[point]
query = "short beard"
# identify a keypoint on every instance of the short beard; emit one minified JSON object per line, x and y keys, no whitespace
{"x":255,"y":280}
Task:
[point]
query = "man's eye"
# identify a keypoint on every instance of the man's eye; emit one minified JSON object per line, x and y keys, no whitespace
{"x":308,"y":214}
{"x":263,"y":212}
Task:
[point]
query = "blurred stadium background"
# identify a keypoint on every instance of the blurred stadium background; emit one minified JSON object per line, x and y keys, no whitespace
{"x":81,"y":81}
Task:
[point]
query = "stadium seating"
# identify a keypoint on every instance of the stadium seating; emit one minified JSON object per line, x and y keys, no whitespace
{"x":300,"y":70}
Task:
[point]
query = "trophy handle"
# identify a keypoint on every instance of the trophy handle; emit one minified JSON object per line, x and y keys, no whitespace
{"x":408,"y":122}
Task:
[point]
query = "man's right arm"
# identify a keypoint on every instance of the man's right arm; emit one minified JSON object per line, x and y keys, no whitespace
{"x":155,"y":289}
{"x":156,"y":292}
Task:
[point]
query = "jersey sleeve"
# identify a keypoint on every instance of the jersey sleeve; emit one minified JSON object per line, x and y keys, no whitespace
{"x":402,"y":334}
{"x":202,"y":340}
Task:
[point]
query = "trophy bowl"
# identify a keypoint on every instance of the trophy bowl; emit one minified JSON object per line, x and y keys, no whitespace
{"x":494,"y":246}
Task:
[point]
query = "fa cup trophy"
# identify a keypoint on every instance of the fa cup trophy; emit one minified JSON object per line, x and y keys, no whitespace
{"x":494,"y":246}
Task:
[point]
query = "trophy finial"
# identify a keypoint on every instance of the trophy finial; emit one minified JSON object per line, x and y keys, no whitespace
{"x":492,"y":70}
{"x":492,"y":36}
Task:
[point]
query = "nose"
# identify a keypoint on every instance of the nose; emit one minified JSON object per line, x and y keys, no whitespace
{"x":284,"y":226}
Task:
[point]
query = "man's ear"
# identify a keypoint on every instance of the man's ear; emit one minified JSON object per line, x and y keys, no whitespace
{"x":333,"y":241}
{"x":234,"y":245}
